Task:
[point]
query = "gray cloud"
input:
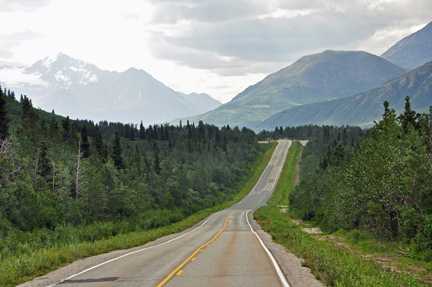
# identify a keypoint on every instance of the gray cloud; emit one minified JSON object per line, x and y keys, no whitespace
{"x":10,"y":42}
{"x":256,"y":35}
{"x":22,"y":5}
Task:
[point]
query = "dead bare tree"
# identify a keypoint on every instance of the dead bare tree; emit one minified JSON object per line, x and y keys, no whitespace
{"x":78,"y":183}
{"x":8,"y":154}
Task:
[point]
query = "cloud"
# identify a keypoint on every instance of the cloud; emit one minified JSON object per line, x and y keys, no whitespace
{"x":130,"y":16}
{"x":12,"y":41}
{"x":22,"y":5}
{"x":251,"y":36}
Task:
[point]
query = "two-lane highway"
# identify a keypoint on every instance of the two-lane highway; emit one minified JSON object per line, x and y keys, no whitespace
{"x":222,"y":250}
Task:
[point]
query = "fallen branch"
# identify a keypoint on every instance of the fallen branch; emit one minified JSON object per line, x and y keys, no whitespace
{"x":406,"y":254}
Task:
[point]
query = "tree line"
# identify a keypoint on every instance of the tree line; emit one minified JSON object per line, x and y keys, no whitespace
{"x":383,"y":185}
{"x":75,"y":173}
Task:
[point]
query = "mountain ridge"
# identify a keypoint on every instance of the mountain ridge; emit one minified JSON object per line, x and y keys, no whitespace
{"x":82,"y":90}
{"x":322,"y":76}
{"x":364,"y":108}
{"x":412,"y":51}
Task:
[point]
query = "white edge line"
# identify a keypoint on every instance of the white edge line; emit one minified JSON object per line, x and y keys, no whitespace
{"x":278,"y":270}
{"x":127,"y":254}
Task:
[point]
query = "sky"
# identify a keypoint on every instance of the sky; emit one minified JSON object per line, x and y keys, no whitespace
{"x":216,"y":47}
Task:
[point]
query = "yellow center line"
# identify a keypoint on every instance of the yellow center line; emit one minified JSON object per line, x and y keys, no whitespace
{"x":180,"y":272}
{"x":193,"y":254}
{"x":276,"y":162}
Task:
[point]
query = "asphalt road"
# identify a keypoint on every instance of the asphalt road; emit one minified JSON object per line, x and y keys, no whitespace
{"x":222,"y":251}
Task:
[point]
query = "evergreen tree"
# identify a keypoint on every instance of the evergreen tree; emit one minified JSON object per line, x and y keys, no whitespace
{"x":136,"y":161}
{"x":142,"y":131}
{"x":409,"y":117}
{"x":85,"y":145}
{"x":29,"y":120}
{"x":132,"y":132}
{"x":126,"y":131}
{"x":4,"y":119}
{"x":157,"y":160}
{"x":44,"y":164}
{"x":26,"y":105}
{"x":66,"y":133}
{"x":53,"y":129}
{"x":100,"y":148}
{"x":116,"y":153}
{"x":43,"y":129}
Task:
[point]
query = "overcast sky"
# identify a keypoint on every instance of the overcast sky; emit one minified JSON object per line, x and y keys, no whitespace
{"x":214,"y":46}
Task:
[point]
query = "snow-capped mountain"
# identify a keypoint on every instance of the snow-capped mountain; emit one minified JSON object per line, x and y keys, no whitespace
{"x":81,"y":90}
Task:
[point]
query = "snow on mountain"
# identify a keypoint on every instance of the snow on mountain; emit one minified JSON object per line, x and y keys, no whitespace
{"x":82,"y":90}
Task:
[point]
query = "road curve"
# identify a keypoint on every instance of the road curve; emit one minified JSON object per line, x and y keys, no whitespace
{"x":222,"y":251}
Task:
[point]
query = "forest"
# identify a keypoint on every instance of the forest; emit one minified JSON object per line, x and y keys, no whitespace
{"x":66,"y":181}
{"x":378,"y":181}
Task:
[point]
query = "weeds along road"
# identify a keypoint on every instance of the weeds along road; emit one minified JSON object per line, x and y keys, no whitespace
{"x":221,"y":251}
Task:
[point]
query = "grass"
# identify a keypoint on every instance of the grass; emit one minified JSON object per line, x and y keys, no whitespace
{"x":25,"y":267}
{"x":287,"y":179}
{"x":343,"y":258}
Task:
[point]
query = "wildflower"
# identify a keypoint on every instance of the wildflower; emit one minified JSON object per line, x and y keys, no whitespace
{"x":317,"y":243}
{"x":15,"y":261}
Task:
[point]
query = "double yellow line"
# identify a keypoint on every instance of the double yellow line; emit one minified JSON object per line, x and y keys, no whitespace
{"x":193,"y":254}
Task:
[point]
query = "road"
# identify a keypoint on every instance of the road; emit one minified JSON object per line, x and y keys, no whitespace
{"x":221,"y":251}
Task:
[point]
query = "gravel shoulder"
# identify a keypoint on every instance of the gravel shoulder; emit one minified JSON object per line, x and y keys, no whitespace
{"x":290,"y":265}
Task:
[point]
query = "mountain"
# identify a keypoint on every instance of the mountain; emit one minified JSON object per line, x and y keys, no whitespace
{"x":81,"y":90}
{"x":202,"y":101}
{"x":364,"y":108}
{"x":412,"y":51}
{"x":314,"y":78}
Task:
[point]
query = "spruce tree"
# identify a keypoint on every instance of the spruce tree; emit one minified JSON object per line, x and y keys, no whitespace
{"x":99,"y":147}
{"x":126,"y":131}
{"x":142,"y":131}
{"x":85,"y":145}
{"x":43,"y":129}
{"x":132,"y":132}
{"x":4,"y":119}
{"x":44,"y":167}
{"x":409,"y":117}
{"x":157,"y":160}
{"x":116,"y":153}
{"x":29,"y":120}
{"x":26,"y":105}
{"x":53,"y":129}
{"x":136,"y":161}
{"x":66,"y":129}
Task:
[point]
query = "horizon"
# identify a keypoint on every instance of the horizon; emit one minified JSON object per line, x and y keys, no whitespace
{"x":216,"y":47}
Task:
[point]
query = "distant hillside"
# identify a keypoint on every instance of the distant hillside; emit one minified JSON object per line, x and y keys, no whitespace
{"x":314,"y":78}
{"x":81,"y":90}
{"x":202,"y":101}
{"x":412,"y":51}
{"x":14,"y":109}
{"x":362,"y":109}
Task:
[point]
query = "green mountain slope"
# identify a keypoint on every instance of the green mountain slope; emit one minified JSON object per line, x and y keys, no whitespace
{"x":314,"y":78}
{"x":14,"y":109}
{"x":362,"y":109}
{"x":412,"y":51}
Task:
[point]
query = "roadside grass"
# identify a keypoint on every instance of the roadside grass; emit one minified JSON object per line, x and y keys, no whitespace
{"x":343,"y":258}
{"x":287,"y":179}
{"x":32,"y":263}
{"x":332,"y":263}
